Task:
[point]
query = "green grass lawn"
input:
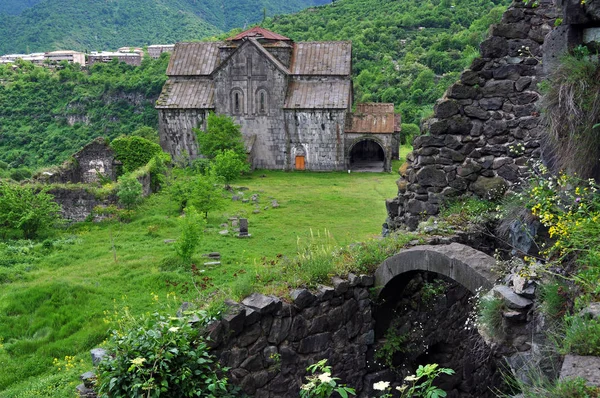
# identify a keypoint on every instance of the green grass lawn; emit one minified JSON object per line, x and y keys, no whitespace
{"x":59,"y":298}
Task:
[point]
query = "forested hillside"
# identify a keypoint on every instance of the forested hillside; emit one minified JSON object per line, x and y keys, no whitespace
{"x":405,"y":52}
{"x":109,"y":24}
{"x":46,"y":115}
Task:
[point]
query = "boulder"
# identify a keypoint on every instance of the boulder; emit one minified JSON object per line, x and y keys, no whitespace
{"x":489,"y":187}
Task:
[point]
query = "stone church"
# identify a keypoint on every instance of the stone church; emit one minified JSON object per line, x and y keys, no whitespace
{"x":292,"y":100}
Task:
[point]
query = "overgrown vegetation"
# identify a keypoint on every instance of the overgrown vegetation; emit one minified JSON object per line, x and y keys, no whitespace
{"x":572,"y":111}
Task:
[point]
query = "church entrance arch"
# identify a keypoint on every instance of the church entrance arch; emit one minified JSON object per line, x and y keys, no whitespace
{"x":366,"y":155}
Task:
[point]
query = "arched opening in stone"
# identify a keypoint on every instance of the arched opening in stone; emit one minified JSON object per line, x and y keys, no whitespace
{"x":425,"y":318}
{"x":367,"y":155}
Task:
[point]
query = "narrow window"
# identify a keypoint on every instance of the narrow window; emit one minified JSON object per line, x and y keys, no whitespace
{"x":262,"y":107}
{"x":236,"y":103}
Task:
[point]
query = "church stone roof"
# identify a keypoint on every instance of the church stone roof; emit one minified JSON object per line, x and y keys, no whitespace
{"x":374,"y":118}
{"x":258,"y":33}
{"x":318,"y":94}
{"x":187,"y":94}
{"x":322,"y":58}
{"x":194,"y":59}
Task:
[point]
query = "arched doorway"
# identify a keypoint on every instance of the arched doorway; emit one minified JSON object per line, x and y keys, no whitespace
{"x":367,"y":155}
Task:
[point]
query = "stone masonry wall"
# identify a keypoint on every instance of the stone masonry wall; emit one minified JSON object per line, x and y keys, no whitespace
{"x":268,"y":343}
{"x":486,"y":128}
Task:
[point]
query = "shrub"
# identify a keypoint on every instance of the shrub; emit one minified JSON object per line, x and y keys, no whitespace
{"x":158,"y":356}
{"x":134,"y":152}
{"x":409,"y":132}
{"x":25,"y":209}
{"x":221,"y":134}
{"x":129,"y":191}
{"x":321,"y":385}
{"x":20,"y":174}
{"x":192,"y":225}
{"x":206,"y":195}
{"x":157,"y":166}
{"x":146,"y":132}
{"x":582,"y":336}
{"x":572,"y":110}
{"x":228,"y":165}
{"x":489,"y":316}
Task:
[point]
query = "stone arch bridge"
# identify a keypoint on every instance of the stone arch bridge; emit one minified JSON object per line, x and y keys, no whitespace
{"x":463,"y":264}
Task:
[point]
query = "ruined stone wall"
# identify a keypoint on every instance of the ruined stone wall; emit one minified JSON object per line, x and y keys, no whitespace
{"x":268,"y":343}
{"x":486,"y":127}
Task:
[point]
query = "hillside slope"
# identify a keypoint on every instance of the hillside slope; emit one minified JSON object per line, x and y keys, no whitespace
{"x":103,"y":25}
{"x":405,"y":52}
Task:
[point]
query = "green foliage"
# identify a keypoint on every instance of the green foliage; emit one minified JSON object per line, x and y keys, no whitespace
{"x":146,"y":132}
{"x":221,"y":134}
{"x":404,"y":52}
{"x":134,"y":152}
{"x":582,"y":336}
{"x":409,"y":132}
{"x":394,"y":343}
{"x":572,"y":111}
{"x":46,"y":115}
{"x":554,"y":298}
{"x":25,"y":209}
{"x":158,"y":356}
{"x":467,"y":209}
{"x":228,"y":165}
{"x":207,"y":195}
{"x":431,"y":290}
{"x":129,"y":191}
{"x":539,"y":386}
{"x":20,"y":174}
{"x":192,"y":225}
{"x":157,"y":167}
{"x":425,"y":389}
{"x":489,"y":316}
{"x":320,"y":384}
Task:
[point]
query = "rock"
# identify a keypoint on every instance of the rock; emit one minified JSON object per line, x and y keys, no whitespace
{"x":489,"y":188}
{"x":85,"y":392}
{"x":315,"y":343}
{"x":325,"y":293}
{"x":302,"y":298}
{"x":235,"y":198}
{"x":340,"y":285}
{"x":511,"y":299}
{"x":274,"y":204}
{"x":167,"y":241}
{"x":98,"y":354}
{"x":431,"y":176}
{"x":592,"y":311}
{"x":89,"y":379}
{"x":445,"y":108}
{"x":498,"y":88}
{"x":476,"y":112}
{"x":494,"y":47}
{"x":460,"y":91}
{"x":261,"y":303}
{"x":518,"y":30}
{"x":582,"y":366}
{"x":224,"y":232}
{"x":212,"y":263}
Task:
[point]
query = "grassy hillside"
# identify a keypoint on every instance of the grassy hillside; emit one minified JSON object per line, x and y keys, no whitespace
{"x":405,"y":52}
{"x":59,"y":297}
{"x":103,"y":25}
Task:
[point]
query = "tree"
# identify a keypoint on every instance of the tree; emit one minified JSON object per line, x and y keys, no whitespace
{"x":134,"y":152}
{"x":129,"y":192}
{"x":221,"y":134}
{"x":192,"y":225}
{"x":25,"y":209}
{"x":207,"y":195}
{"x":228,"y":166}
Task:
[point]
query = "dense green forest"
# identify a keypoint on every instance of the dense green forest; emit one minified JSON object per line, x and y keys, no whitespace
{"x":46,"y":115}
{"x":92,"y":25}
{"x":405,"y":52}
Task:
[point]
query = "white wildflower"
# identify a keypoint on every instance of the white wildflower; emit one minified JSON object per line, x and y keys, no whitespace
{"x":381,"y":385}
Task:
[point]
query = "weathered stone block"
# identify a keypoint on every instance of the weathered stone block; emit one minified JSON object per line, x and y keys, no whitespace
{"x":494,"y":47}
{"x":461,"y":91}
{"x":431,"y":176}
{"x":315,"y":343}
{"x":517,"y":30}
{"x":498,"y":88}
{"x":445,"y":108}
{"x":302,"y":298}
{"x":262,"y":304}
{"x":489,"y":188}
{"x":587,"y":367}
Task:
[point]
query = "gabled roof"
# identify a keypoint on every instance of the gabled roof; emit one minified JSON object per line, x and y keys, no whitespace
{"x":187,"y":94}
{"x":319,"y":94}
{"x":258,"y":33}
{"x":373,"y":118}
{"x":261,"y":49}
{"x":322,"y":58}
{"x":194,"y":59}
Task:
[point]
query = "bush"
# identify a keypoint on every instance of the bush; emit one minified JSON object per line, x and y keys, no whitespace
{"x":20,"y":174}
{"x":192,"y":225}
{"x":228,"y":165}
{"x":129,"y":191}
{"x":158,"y":356}
{"x":408,"y":133}
{"x":25,"y":209}
{"x":134,"y":152}
{"x":221,"y":134}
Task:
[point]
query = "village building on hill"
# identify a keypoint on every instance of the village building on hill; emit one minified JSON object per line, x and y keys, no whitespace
{"x":155,"y":50}
{"x":293,"y":101}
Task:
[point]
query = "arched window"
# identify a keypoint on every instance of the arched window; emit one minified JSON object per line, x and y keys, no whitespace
{"x":262,"y":105}
{"x":237,"y":102}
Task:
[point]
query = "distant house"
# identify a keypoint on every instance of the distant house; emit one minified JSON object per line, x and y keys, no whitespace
{"x":130,"y":58}
{"x":292,"y":100}
{"x":36,"y":58}
{"x":155,"y":50}
{"x":72,"y":57}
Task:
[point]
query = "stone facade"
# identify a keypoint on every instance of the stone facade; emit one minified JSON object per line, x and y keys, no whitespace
{"x":487,"y":127}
